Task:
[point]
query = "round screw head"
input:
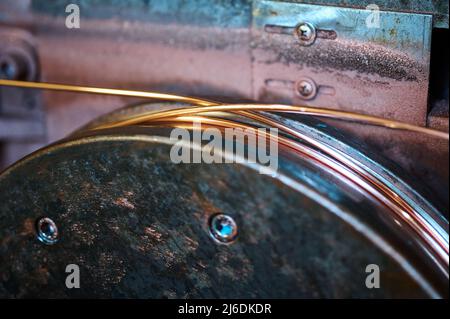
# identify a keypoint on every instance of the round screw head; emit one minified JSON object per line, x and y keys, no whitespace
{"x":306,"y":33}
{"x":223,"y":228}
{"x":47,"y":231}
{"x":306,"y":89}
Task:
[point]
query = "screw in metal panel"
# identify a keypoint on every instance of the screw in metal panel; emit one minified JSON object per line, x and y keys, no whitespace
{"x":47,"y":231}
{"x":223,"y":228}
{"x":305,"y":33}
{"x":306,"y":89}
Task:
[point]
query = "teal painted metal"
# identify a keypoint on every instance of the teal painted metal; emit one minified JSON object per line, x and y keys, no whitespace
{"x":236,"y":12}
{"x":360,"y":57}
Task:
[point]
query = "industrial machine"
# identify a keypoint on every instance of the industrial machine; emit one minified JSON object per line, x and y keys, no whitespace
{"x":224,"y":149}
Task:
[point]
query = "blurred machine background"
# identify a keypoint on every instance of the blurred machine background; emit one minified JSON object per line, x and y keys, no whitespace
{"x":235,"y":50}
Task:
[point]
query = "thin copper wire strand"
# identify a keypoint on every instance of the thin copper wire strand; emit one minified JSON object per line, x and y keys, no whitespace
{"x":212,"y":106}
{"x":105,"y":91}
{"x":320,"y":112}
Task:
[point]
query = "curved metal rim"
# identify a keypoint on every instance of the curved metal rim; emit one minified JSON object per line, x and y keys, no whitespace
{"x":420,"y":221}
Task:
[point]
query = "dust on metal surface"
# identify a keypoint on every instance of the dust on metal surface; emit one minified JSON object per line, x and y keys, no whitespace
{"x":139,"y":239}
{"x":381,"y":69}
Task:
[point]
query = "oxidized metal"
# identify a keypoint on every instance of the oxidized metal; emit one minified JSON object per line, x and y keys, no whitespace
{"x":138,"y":225}
{"x":381,"y":69}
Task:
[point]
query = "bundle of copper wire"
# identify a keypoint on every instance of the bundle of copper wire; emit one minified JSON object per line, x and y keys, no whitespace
{"x":216,"y":114}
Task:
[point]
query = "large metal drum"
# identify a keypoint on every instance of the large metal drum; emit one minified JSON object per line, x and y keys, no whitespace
{"x":136,"y":224}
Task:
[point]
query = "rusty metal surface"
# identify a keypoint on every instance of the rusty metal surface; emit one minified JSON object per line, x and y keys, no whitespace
{"x":437,"y":8}
{"x":207,"y":12}
{"x":376,"y":70}
{"x":136,"y":224}
{"x":421,"y":161}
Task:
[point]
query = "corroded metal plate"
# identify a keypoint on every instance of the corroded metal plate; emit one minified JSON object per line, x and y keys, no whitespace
{"x":376,"y":68}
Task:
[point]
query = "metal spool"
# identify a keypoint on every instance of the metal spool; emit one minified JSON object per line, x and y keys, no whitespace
{"x":139,"y":225}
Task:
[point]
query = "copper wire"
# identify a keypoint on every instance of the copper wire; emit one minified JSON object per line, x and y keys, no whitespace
{"x":206,"y":106}
{"x":336,"y":160}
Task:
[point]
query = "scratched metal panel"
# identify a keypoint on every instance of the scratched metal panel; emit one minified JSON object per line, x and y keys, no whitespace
{"x":438,"y":8}
{"x":378,"y":69}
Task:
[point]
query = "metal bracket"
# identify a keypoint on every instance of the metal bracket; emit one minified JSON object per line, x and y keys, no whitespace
{"x":374,"y":62}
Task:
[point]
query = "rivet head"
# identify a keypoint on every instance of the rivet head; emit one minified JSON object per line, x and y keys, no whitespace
{"x":223,"y":228}
{"x":47,"y":231}
{"x":305,"y":33}
{"x":306,"y":89}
